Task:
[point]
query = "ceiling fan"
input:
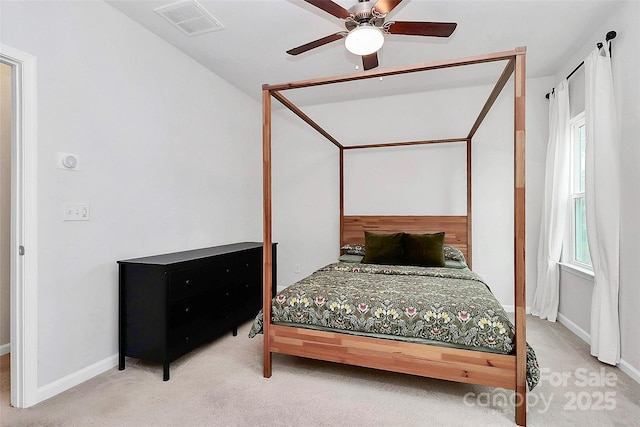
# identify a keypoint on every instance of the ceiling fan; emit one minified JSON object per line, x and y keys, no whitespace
{"x":366,"y":26}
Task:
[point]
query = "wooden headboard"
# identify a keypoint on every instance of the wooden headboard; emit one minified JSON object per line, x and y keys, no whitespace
{"x":455,"y":228}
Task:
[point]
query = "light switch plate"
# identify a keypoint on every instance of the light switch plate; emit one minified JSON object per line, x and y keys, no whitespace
{"x":76,"y":212}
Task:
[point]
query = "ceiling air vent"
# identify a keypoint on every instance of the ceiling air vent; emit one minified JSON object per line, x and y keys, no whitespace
{"x":191,"y":18}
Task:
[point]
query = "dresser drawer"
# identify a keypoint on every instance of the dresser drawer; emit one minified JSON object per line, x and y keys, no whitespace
{"x":198,"y":331}
{"x":224,"y":270}
{"x":189,"y":309}
{"x":221,"y":307}
{"x":190,"y":281}
{"x":188,"y":335}
{"x":250,"y":266}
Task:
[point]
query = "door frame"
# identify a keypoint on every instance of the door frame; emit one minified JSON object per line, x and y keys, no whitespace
{"x":24,"y":253}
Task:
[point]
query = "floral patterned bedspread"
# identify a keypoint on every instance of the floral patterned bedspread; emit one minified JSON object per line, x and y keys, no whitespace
{"x":434,"y":305}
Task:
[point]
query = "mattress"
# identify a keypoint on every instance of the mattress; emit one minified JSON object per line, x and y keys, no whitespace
{"x":432,"y":305}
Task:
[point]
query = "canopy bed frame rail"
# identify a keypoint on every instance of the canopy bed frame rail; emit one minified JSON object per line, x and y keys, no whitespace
{"x":467,"y":366}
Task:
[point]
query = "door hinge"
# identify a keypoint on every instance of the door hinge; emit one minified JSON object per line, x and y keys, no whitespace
{"x":20,"y":250}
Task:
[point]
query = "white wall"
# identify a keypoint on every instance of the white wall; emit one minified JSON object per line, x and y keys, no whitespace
{"x":306,"y":220}
{"x":625,"y":64}
{"x":375,"y":180}
{"x":170,"y":155}
{"x":5,"y":205}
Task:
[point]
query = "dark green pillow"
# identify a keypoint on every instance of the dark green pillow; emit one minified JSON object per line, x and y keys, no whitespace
{"x":383,"y":248}
{"x":424,"y":250}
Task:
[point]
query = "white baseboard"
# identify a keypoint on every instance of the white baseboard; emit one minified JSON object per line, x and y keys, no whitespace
{"x":5,"y":349}
{"x":586,"y":337}
{"x":581,"y":333}
{"x":512,"y":309}
{"x":75,"y":378}
{"x":629,"y":370}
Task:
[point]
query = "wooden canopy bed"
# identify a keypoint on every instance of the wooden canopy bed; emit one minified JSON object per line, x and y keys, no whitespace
{"x":477,"y":367}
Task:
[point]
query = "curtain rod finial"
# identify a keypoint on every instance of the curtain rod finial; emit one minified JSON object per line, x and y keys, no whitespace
{"x":611,"y":35}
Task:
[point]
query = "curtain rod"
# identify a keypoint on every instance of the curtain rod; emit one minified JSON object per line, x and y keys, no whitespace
{"x":610,"y":36}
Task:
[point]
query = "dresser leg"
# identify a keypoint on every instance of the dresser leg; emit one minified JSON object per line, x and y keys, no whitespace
{"x":121,"y":362}
{"x":235,"y":330}
{"x":165,"y":371}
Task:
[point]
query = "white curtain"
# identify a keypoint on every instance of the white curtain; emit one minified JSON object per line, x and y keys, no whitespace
{"x":554,"y":204}
{"x":602,"y":200}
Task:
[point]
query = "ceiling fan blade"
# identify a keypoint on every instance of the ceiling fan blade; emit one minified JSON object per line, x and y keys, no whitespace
{"x":386,"y":6}
{"x":370,"y":61}
{"x":433,"y":29}
{"x":331,"y":7}
{"x":316,"y":43}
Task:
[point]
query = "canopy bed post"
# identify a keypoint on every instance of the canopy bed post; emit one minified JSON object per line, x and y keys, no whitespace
{"x":341,"y":195}
{"x":519,"y":236}
{"x":267,"y":250}
{"x":469,"y":194}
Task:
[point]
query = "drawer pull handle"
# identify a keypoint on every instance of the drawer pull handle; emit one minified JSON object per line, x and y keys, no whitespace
{"x":228,"y":270}
{"x":186,"y":282}
{"x":227,"y":294}
{"x":186,"y":339}
{"x":186,"y":310}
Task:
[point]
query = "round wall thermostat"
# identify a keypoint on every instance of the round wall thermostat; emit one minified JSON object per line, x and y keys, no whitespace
{"x":69,"y":161}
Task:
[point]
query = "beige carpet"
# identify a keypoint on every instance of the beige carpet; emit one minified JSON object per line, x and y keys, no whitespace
{"x":221,"y":384}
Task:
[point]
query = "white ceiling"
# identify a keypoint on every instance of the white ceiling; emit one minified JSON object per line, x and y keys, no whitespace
{"x":250,"y":50}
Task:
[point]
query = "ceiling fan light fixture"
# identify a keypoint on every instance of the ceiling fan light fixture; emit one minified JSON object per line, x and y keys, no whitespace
{"x":364,"y":40}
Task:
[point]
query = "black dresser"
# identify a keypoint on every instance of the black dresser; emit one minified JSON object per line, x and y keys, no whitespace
{"x":171,"y":303}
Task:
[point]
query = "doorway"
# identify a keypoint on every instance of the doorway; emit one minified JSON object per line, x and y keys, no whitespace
{"x":22,"y":250}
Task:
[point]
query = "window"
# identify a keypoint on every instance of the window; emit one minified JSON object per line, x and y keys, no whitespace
{"x":579,"y":244}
